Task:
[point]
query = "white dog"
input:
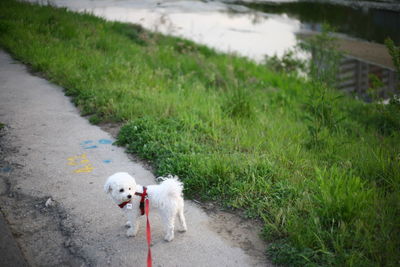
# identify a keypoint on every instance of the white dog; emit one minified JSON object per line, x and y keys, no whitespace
{"x":165,"y":197}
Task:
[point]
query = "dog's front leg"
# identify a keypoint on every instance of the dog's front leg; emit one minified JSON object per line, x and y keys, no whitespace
{"x":133,"y":222}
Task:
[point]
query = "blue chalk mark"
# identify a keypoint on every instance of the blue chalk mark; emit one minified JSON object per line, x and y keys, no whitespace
{"x":89,"y":144}
{"x":7,"y":169}
{"x":105,"y":141}
{"x":107,"y":161}
{"x":90,"y":147}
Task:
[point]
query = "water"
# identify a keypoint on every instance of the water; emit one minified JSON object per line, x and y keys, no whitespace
{"x":225,"y":27}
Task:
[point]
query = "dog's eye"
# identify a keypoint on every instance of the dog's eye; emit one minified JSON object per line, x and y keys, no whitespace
{"x":121,"y":190}
{"x":129,"y":188}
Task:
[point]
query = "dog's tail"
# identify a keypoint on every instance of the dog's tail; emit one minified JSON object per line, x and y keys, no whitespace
{"x":172,"y":185}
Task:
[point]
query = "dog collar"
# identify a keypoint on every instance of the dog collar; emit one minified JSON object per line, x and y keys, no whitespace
{"x":123,"y":204}
{"x":142,"y":195}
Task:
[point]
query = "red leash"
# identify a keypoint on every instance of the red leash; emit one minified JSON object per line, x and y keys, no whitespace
{"x":144,"y":208}
{"x":148,"y":234}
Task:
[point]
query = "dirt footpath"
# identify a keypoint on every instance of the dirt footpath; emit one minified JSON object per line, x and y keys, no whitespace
{"x":53,"y":165}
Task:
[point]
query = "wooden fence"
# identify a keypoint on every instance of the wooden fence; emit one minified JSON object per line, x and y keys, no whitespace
{"x":355,"y":76}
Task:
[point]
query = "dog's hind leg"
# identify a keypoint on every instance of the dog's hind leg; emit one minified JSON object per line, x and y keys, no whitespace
{"x":182,"y":220}
{"x":168,"y":219}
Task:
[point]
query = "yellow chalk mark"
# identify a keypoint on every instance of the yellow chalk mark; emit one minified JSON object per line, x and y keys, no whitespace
{"x":77,"y":160}
{"x":87,"y":168}
{"x":80,"y":160}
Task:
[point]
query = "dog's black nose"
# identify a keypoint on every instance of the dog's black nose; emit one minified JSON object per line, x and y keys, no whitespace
{"x":129,"y":196}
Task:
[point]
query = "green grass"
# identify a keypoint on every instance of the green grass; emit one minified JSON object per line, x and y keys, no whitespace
{"x":320,"y":169}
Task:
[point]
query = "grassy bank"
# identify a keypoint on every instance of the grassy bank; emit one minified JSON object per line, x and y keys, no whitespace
{"x":320,"y":169}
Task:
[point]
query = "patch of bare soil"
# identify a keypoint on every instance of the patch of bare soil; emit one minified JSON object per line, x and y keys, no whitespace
{"x":238,"y":231}
{"x":111,"y":127}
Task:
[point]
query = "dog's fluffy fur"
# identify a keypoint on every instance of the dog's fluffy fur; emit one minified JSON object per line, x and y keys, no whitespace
{"x":165,"y":197}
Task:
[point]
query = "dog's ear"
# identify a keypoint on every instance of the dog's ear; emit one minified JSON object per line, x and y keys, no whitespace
{"x":108,"y":187}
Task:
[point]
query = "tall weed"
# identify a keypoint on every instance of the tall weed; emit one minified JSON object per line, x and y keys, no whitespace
{"x":325,"y":57}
